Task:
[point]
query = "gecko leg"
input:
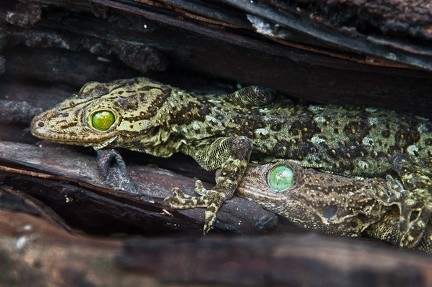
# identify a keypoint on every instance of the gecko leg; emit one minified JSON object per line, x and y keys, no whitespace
{"x":113,"y":169}
{"x":231,"y":155}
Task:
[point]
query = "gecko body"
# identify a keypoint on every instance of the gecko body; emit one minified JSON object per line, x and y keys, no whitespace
{"x":332,"y":204}
{"x":227,"y":132}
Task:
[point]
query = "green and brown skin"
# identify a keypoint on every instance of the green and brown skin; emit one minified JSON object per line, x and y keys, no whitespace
{"x":226,"y":132}
{"x":334,"y":204}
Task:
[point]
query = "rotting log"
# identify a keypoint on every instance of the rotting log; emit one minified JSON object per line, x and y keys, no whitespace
{"x":346,"y":52}
{"x":36,"y":251}
{"x":154,"y":36}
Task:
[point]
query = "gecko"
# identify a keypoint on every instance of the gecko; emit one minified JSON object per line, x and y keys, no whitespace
{"x":227,"y":132}
{"x":332,"y":204}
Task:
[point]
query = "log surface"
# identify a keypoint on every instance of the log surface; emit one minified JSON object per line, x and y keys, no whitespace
{"x":62,"y":224}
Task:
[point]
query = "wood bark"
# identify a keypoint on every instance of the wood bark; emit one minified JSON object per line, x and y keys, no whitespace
{"x":62,"y":224}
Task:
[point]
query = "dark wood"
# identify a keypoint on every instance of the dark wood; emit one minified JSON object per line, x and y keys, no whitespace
{"x":71,"y":184}
{"x":35,"y":251}
{"x":319,"y":51}
{"x":400,"y":19}
{"x":295,"y":260}
{"x":150,"y":38}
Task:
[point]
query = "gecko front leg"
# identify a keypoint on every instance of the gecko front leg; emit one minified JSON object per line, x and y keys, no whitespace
{"x":231,"y":155}
{"x":113,"y":170}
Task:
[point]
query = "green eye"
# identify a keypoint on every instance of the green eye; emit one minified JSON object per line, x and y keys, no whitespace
{"x":280,"y":178}
{"x":103,"y":120}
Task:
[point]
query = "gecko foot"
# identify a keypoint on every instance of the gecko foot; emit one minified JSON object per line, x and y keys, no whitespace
{"x":209,"y":199}
{"x":113,"y":169}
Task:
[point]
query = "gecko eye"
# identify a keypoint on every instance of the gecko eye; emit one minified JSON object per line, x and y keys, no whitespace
{"x":280,"y":178}
{"x":103,"y":120}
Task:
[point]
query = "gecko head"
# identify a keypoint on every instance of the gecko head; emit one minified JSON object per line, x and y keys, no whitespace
{"x":104,"y":114}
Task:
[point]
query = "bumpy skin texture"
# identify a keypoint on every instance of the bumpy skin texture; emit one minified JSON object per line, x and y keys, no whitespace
{"x":335,"y":204}
{"x":225,"y":132}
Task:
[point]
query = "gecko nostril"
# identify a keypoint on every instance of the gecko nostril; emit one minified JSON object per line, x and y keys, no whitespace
{"x":41,"y":124}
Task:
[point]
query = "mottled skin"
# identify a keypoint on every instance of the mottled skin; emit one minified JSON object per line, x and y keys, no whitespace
{"x":225,"y":132}
{"x":335,"y":204}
